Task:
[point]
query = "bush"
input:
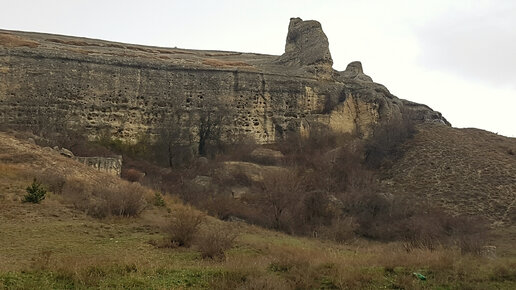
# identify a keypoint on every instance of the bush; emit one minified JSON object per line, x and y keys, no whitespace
{"x":77,"y":192}
{"x":383,"y":146}
{"x":340,"y":230}
{"x":35,"y":192}
{"x":132,"y":175}
{"x":214,"y":241}
{"x":158,"y":200}
{"x":279,"y":196}
{"x":53,"y":181}
{"x":123,"y":200}
{"x":183,"y":226}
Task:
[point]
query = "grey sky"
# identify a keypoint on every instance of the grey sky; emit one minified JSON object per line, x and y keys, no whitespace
{"x":477,"y":43}
{"x":456,"y":56}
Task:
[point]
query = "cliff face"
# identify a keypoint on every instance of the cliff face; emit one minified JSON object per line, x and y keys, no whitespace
{"x":127,"y":90}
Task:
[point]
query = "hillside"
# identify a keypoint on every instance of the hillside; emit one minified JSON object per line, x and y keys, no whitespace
{"x":240,"y":171}
{"x":468,"y":171}
{"x":56,"y":245}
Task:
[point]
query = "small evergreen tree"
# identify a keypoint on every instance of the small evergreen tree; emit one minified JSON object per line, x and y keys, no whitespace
{"x":35,"y":192}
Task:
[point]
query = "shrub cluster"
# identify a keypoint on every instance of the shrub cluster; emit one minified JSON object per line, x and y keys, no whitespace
{"x":328,"y":190}
{"x":384,"y":146}
{"x":189,"y":227}
{"x":184,"y":226}
{"x":100,"y":199}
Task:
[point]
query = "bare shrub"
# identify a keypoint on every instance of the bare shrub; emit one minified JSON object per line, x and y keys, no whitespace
{"x":384,"y":146}
{"x":280,"y":192}
{"x":183,"y":226}
{"x":214,"y":240}
{"x":77,"y":192}
{"x":340,"y":230}
{"x":121,"y":200}
{"x":52,"y":180}
{"x":132,"y":175}
{"x":222,"y":207}
{"x":316,"y":208}
{"x":124,"y":199}
{"x":470,"y":233}
{"x":303,"y":150}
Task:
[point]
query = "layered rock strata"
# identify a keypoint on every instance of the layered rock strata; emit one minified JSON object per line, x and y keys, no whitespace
{"x":50,"y":81}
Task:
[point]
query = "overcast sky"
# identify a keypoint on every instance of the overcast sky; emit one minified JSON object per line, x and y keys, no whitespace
{"x":459,"y":57}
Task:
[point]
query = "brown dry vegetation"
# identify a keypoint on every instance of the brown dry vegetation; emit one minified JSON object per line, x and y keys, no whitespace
{"x":56,"y":245}
{"x":468,"y":171}
{"x":72,"y":42}
{"x":9,"y":40}
{"x":95,"y":193}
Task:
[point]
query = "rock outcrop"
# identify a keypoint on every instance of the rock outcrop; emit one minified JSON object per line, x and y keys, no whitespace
{"x":308,"y":47}
{"x":354,"y":72}
{"x":51,"y":82}
{"x":112,"y":165}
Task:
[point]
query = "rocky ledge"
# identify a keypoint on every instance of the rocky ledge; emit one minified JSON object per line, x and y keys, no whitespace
{"x":49,"y":82}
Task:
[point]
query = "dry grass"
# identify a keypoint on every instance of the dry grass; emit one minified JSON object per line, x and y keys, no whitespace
{"x":142,"y":49}
{"x":174,"y":51}
{"x":215,"y":239}
{"x":9,"y":40}
{"x":53,"y":245}
{"x":467,"y":171}
{"x":72,"y":42}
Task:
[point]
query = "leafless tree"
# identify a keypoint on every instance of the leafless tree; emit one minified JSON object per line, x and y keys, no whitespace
{"x":281,"y":191}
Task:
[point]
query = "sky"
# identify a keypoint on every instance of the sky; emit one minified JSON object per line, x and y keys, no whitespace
{"x":458,"y":57}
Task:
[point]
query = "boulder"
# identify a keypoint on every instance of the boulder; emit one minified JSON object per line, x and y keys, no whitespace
{"x":253,"y":172}
{"x":66,"y":152}
{"x":354,"y":71}
{"x":237,"y":192}
{"x":267,"y":156}
{"x":201,"y":183}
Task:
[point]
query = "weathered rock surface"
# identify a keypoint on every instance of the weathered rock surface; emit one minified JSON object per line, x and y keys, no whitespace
{"x":253,"y":172}
{"x":267,"y":156}
{"x":50,"y":81}
{"x":308,"y":47}
{"x":354,"y":71}
{"x":112,"y":165}
{"x":66,"y":152}
{"x":201,"y":183}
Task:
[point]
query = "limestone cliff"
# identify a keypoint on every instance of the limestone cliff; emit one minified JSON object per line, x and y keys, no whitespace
{"x":129,"y":90}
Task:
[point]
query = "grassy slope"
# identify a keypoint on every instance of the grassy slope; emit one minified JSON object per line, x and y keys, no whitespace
{"x":468,"y":171}
{"x":52,"y":245}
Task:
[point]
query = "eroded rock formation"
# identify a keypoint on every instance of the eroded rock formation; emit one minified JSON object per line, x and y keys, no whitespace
{"x":49,"y":82}
{"x":308,"y":47}
{"x":112,"y":165}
